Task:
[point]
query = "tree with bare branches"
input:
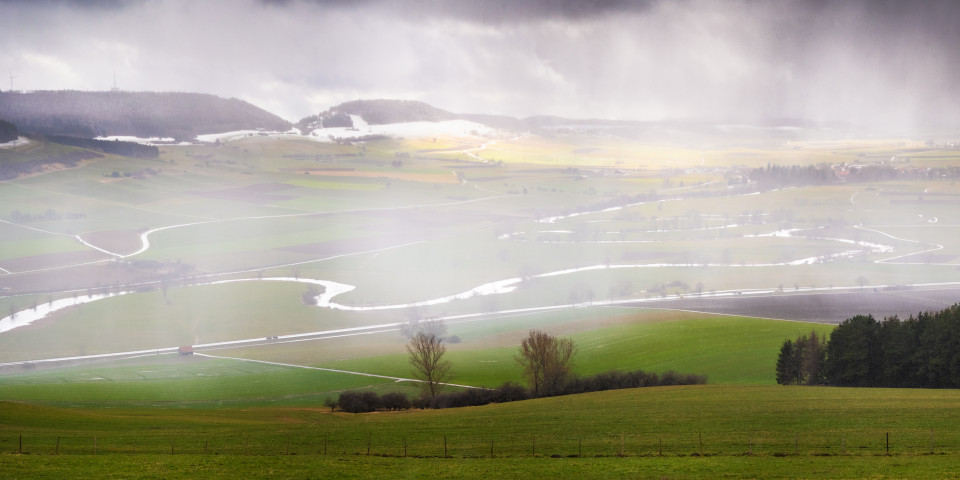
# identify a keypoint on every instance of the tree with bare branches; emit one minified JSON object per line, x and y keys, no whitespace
{"x":426,"y":355}
{"x":546,"y":361}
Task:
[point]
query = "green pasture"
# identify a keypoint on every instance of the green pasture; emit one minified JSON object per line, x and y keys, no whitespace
{"x":675,"y":432}
{"x":726,"y":349}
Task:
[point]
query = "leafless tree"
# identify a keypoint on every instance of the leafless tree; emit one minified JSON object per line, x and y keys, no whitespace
{"x":545,"y":360}
{"x":426,"y":355}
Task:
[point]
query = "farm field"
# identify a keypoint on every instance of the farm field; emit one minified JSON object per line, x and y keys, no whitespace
{"x":290,"y":267}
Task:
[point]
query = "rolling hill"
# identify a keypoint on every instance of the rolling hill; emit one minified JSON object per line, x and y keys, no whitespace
{"x":141,"y":114}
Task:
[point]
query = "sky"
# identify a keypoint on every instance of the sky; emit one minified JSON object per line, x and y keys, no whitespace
{"x":869,"y":62}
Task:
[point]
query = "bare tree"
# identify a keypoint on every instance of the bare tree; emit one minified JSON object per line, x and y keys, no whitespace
{"x":426,"y":355}
{"x":545,"y":360}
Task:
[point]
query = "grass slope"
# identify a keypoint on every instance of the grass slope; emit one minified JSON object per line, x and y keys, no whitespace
{"x":767,"y":431}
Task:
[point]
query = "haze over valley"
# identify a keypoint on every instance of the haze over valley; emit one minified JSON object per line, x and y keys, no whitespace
{"x":247,"y":218}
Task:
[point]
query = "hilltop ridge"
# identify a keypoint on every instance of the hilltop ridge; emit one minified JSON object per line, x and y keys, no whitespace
{"x":141,"y":114}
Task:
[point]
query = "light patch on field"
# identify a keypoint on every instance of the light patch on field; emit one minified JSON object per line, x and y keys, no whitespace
{"x":399,"y":175}
{"x":344,"y":185}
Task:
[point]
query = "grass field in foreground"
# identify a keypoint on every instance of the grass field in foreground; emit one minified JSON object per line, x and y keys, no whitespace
{"x":726,"y":349}
{"x":673,"y":432}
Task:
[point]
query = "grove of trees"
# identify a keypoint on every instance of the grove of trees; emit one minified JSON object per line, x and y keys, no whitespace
{"x":919,"y":352}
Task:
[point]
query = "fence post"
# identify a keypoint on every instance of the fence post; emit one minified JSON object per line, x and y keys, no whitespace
{"x":58,"y":445}
{"x":368,"y":443}
{"x":660,"y":446}
{"x":404,"y":446}
{"x":621,"y":453}
{"x":843,"y":444}
{"x":796,"y":444}
{"x":931,"y":441}
{"x":324,"y":444}
{"x":491,"y":448}
{"x":888,"y":443}
{"x":534,"y":450}
{"x":750,"y":445}
{"x":94,"y":445}
{"x":20,"y":448}
{"x":444,"y":446}
{"x":700,"y":436}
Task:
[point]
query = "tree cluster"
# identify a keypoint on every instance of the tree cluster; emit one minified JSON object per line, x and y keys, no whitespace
{"x":801,"y":361}
{"x":142,"y":114}
{"x":8,"y":132}
{"x":781,"y":175}
{"x":919,"y":352}
{"x":114,"y":147}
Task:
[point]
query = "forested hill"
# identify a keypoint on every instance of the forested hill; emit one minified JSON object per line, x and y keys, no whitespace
{"x":142,"y":114}
{"x":378,"y":112}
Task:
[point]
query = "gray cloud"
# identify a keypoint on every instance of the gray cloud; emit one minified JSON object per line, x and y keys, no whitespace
{"x":883,"y":62}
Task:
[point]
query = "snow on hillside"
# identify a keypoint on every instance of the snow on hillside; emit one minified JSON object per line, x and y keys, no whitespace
{"x":404,"y":130}
{"x":140,"y":140}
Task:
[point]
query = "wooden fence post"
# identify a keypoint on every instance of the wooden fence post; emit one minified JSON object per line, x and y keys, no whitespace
{"x":58,"y":445}
{"x":444,"y":446}
{"x":888,"y":443}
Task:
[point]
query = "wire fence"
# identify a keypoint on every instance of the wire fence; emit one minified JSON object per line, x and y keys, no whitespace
{"x":811,"y":443}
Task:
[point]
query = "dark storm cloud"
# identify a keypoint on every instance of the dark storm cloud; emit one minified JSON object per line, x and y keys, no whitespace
{"x":491,"y":11}
{"x":882,"y":62}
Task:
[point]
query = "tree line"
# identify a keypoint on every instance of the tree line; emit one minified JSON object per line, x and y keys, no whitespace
{"x":114,"y":147}
{"x":546,"y":363}
{"x":919,"y":352}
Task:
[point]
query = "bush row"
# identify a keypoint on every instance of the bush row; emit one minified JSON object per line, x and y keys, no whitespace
{"x":358,"y":402}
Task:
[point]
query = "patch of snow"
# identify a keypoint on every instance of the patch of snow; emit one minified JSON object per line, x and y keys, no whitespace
{"x":410,"y":129}
{"x":19,"y":142}
{"x":140,"y":140}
